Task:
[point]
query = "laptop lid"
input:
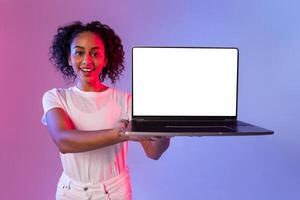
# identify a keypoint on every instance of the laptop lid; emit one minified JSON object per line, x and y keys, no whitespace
{"x":188,"y":83}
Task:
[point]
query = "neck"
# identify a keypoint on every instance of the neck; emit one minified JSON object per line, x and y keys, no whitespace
{"x":91,"y":87}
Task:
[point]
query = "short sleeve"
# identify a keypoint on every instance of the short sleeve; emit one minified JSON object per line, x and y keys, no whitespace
{"x":50,"y":100}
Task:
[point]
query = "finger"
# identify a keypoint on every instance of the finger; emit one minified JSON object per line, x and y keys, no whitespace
{"x":138,"y":138}
{"x":123,"y":123}
{"x":155,"y":138}
{"x":160,"y":138}
{"x":128,"y":128}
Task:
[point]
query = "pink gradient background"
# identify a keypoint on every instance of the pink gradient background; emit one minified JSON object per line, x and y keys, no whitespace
{"x":267,"y":33}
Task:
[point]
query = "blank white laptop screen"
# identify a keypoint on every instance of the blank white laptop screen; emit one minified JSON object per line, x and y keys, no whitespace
{"x":170,"y":81}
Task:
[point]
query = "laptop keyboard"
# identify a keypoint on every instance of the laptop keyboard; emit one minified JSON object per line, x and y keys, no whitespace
{"x":187,"y":126}
{"x":190,"y":123}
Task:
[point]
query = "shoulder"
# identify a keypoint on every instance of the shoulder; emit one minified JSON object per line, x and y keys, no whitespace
{"x":57,"y":92}
{"x":120,"y":93}
{"x":121,"y":97}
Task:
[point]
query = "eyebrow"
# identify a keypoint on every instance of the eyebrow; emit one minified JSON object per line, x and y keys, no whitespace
{"x":83,"y":47}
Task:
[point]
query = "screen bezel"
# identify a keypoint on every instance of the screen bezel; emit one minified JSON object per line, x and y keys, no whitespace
{"x":189,"y":118}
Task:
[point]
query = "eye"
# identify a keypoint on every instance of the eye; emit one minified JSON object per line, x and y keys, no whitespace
{"x":79,"y":53}
{"x":95,"y":54}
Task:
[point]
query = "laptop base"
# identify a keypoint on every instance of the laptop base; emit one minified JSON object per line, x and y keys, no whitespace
{"x":236,"y":128}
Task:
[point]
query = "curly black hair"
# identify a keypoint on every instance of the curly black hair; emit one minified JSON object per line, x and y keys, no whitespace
{"x":60,"y":49}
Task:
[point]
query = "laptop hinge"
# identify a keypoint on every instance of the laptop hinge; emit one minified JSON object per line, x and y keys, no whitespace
{"x":204,"y":120}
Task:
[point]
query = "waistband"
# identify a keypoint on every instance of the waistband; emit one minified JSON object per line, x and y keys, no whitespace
{"x":122,"y":178}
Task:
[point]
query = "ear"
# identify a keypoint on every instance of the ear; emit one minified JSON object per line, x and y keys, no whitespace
{"x":69,"y":60}
{"x":105,"y":62}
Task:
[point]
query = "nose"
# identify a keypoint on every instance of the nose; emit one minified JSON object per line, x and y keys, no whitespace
{"x":87,"y":59}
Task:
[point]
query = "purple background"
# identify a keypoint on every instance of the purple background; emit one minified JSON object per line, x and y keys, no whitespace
{"x":267,"y":33}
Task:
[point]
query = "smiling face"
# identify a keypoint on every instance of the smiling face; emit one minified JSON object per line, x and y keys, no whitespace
{"x":87,"y":57}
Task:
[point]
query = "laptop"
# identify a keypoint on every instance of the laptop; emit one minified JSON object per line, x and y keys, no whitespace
{"x":187,"y":91}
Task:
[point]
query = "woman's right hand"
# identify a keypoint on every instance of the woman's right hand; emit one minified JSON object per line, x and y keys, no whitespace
{"x":124,"y":125}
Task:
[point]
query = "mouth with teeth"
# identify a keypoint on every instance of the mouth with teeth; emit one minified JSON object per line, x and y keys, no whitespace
{"x":87,"y":69}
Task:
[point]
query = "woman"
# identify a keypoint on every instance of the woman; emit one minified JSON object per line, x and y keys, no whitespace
{"x":87,"y":121}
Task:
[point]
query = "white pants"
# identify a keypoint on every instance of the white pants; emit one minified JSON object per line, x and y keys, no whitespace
{"x":116,"y":188}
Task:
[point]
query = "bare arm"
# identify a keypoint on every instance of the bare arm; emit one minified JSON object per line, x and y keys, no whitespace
{"x":155,"y":147}
{"x":69,"y":140}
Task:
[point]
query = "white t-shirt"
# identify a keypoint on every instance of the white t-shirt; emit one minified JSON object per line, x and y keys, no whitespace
{"x":92,"y":111}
